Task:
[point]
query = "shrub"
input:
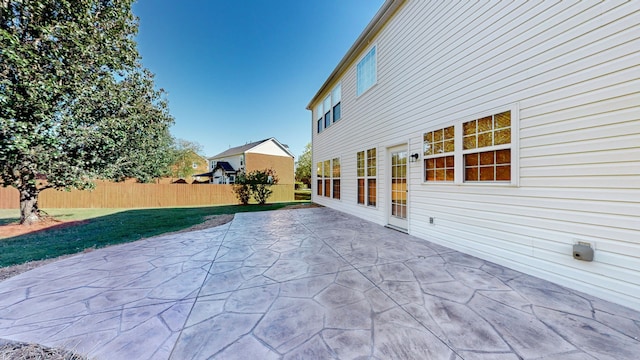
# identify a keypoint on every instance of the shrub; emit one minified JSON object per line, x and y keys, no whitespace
{"x":260,"y":182}
{"x":256,"y":184}
{"x":241,"y":189}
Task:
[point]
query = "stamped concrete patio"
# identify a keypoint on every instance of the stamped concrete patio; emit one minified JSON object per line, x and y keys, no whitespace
{"x":305,"y":284}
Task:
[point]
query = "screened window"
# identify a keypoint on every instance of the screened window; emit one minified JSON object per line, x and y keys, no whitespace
{"x":366,"y":72}
{"x":366,"y":171}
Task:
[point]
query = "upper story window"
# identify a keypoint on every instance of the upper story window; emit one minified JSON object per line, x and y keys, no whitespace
{"x":366,"y":72}
{"x":336,"y":98}
{"x":326,"y":105}
{"x":330,"y":110}
{"x":318,"y":117}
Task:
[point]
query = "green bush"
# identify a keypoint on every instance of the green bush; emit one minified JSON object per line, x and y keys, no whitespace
{"x":257,"y":184}
{"x":241,"y":189}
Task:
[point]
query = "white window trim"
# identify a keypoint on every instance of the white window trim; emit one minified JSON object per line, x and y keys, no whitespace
{"x":320,"y":111}
{"x":373,"y":46}
{"x":334,"y":102}
{"x":367,"y":177}
{"x":327,"y":112}
{"x":459,"y":152}
{"x":336,"y":178}
{"x":318,"y":118}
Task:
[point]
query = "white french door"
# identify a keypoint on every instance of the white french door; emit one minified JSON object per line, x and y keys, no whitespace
{"x":398,"y":190}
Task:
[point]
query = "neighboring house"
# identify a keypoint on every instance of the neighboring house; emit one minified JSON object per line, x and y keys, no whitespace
{"x":259,"y":155}
{"x":506,"y":130}
{"x":186,"y":168}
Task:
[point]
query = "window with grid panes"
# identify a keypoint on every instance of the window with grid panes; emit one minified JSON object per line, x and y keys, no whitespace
{"x":327,"y":178}
{"x":319,"y":176}
{"x":487,"y":148}
{"x":335,"y":177}
{"x":438,"y":152}
{"x":366,"y":171}
{"x":478,"y":150}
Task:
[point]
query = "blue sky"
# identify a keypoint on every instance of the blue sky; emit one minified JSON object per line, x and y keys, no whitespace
{"x":245,"y":70}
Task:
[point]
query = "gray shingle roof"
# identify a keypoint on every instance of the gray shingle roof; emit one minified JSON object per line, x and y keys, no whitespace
{"x":244,"y":148}
{"x":239,"y":149}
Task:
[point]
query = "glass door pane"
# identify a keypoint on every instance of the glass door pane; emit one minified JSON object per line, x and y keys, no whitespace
{"x":399,"y":184}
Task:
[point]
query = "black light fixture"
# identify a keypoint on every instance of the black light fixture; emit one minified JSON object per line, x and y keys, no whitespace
{"x":414,"y":157}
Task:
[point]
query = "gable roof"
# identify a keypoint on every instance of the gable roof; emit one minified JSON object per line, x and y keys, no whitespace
{"x":379,"y":20}
{"x":238,"y":150}
{"x":225,"y":166}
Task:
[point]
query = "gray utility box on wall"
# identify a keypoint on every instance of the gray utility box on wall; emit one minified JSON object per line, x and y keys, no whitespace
{"x":582,"y":252}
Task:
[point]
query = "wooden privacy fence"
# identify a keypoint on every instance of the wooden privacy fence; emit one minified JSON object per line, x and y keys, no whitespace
{"x":134,"y":195}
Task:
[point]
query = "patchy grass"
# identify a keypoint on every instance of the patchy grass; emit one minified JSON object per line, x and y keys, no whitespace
{"x":303,"y":194}
{"x":103,"y":227}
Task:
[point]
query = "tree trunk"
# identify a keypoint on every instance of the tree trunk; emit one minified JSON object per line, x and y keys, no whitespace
{"x":29,"y":212}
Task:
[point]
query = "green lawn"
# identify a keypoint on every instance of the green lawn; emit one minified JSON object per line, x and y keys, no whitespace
{"x":105,"y":227}
{"x":303,"y":194}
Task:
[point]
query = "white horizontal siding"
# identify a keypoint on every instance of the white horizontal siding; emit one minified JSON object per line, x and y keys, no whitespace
{"x":269,"y":148}
{"x":574,"y":70}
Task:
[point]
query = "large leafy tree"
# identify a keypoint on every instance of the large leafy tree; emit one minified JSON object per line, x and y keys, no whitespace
{"x":185,"y":153}
{"x":303,"y":168}
{"x":75,"y":102}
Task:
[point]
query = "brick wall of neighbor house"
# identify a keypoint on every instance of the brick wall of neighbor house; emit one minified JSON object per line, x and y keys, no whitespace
{"x":202,"y":167}
{"x":283,"y":166}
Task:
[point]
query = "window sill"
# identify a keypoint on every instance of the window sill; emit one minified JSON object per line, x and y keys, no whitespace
{"x":469,"y":183}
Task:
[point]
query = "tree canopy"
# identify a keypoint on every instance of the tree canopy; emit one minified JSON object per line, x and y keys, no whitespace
{"x":303,"y":168}
{"x":185,"y":153}
{"x":76,"y":104}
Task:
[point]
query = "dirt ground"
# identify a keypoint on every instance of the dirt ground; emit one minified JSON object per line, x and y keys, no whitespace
{"x":11,"y":350}
{"x":16,"y":229}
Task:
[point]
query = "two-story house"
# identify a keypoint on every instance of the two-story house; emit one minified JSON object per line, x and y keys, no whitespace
{"x":506,"y":130}
{"x":259,"y":155}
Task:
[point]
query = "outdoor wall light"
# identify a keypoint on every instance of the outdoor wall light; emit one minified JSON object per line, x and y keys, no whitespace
{"x":414,"y":157}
